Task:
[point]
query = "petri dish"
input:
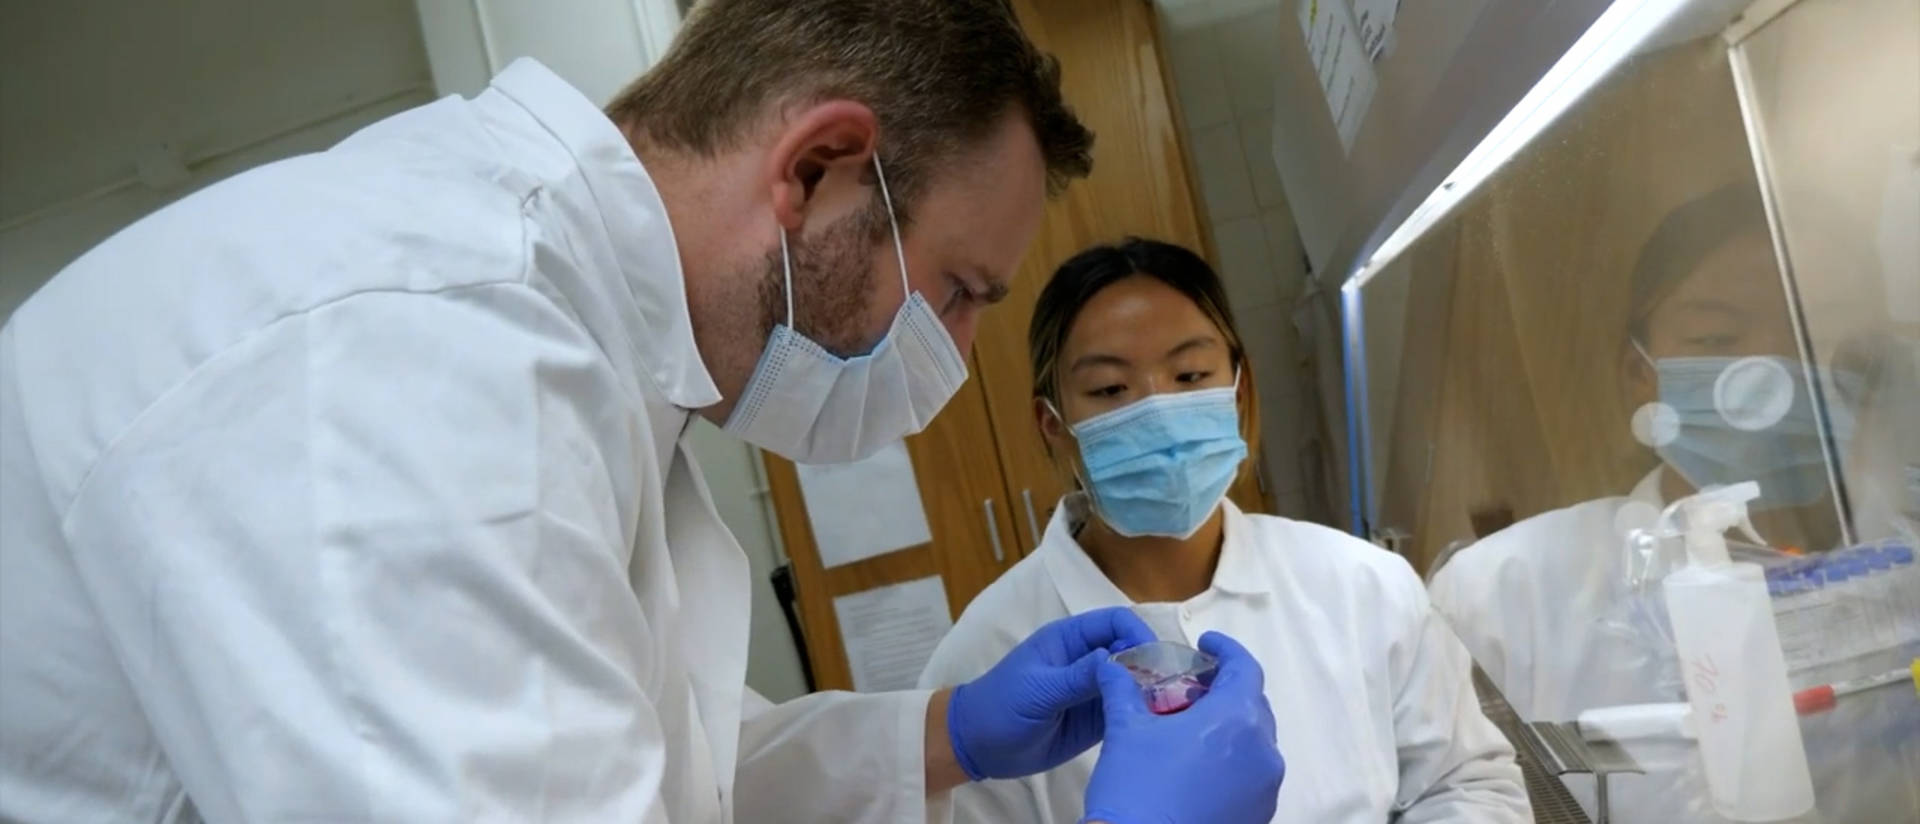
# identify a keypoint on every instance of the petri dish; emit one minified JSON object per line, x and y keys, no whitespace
{"x":1171,"y":675}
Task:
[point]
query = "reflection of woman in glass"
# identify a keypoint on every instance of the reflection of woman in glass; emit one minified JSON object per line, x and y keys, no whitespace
{"x":1548,"y":606}
{"x":1714,"y":367}
{"x":1141,"y":391}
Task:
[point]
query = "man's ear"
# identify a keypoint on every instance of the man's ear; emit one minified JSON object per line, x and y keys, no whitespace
{"x":823,"y":154}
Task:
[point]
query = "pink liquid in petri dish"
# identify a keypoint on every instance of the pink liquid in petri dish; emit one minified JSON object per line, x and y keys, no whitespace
{"x":1174,"y":696}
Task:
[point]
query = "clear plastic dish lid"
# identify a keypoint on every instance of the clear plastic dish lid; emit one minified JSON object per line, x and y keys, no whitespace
{"x":1171,"y":675}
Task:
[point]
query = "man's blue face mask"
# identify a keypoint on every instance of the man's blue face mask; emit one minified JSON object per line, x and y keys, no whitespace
{"x":1161,"y":465}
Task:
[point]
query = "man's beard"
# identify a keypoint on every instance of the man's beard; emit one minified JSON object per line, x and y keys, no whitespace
{"x":833,"y":279}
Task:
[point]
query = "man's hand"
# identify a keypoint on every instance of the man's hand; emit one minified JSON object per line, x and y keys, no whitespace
{"x":1039,"y":706}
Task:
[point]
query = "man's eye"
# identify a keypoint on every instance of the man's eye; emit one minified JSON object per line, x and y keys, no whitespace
{"x":1107,"y":391}
{"x":957,"y":296}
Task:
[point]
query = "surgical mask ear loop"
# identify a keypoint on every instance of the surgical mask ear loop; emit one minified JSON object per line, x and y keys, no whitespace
{"x":1073,"y":460}
{"x":899,"y":250}
{"x":1643,"y":353}
{"x":786,"y":263}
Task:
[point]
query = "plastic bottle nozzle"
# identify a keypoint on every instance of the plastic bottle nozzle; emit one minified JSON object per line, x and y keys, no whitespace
{"x":1710,"y":514}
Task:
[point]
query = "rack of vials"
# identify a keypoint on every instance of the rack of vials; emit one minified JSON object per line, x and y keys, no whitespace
{"x":1847,"y":610}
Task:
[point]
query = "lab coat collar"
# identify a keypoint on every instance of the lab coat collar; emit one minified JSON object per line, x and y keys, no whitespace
{"x":636,"y":222}
{"x":1082,"y":586}
{"x":1647,"y":491}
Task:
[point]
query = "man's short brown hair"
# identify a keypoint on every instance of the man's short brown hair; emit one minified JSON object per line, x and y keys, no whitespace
{"x":938,"y":74}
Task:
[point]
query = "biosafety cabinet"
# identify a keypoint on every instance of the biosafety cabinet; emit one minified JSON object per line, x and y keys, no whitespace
{"x":1596,"y":258}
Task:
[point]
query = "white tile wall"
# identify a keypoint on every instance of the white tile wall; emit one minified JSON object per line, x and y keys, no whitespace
{"x":1204,"y":99}
{"x":1289,"y":257}
{"x":1223,"y":72}
{"x":1256,"y":134}
{"x":1245,"y":45}
{"x":1222,"y":164}
{"x":1274,"y":381}
{"x":1242,"y":246}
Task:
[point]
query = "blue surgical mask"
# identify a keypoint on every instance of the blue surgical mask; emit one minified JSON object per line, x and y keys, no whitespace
{"x":1161,"y":465}
{"x":1747,"y":419}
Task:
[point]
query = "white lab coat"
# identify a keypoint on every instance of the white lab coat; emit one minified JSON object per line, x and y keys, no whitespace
{"x":352,"y":489}
{"x":1546,"y":608}
{"x":1371,"y":693}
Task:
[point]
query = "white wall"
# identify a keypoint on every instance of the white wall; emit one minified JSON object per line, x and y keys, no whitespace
{"x":32,"y":250}
{"x":87,"y":88}
{"x":599,"y":46}
{"x":1221,"y":57}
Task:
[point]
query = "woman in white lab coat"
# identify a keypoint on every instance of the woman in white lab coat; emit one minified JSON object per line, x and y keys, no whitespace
{"x":1142,"y":393}
{"x":1549,"y":606}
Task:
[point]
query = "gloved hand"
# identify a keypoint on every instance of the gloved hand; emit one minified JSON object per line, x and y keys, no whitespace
{"x":1040,"y":705}
{"x":1214,"y":762}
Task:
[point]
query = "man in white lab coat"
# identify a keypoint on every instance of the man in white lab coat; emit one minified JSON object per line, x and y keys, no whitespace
{"x":352,"y":488}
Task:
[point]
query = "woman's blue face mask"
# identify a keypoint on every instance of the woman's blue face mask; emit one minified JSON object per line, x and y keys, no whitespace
{"x":1161,"y":465}
{"x":1748,"y":419}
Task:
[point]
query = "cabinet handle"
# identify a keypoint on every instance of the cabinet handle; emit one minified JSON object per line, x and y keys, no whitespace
{"x":993,"y":531}
{"x":1033,"y":524}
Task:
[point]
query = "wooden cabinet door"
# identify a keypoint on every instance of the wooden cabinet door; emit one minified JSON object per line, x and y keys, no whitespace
{"x":962,"y":492}
{"x":1112,"y":75}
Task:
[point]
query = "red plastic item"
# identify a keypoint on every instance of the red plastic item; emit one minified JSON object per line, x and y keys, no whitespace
{"x":1813,"y":700}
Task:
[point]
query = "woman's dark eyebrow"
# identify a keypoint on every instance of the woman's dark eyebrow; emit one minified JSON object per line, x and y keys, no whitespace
{"x":1102,"y":359}
{"x":1190,"y":344}
{"x":1098,"y":359}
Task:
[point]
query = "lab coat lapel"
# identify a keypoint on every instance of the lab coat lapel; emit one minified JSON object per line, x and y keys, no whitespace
{"x":714,"y":580}
{"x":629,"y":282}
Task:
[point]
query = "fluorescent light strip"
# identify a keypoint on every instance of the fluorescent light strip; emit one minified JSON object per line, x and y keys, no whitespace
{"x":1611,"y":39}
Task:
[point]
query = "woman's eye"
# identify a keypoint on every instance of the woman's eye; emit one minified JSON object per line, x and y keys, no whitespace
{"x":1193,"y":377}
{"x":1107,"y":391}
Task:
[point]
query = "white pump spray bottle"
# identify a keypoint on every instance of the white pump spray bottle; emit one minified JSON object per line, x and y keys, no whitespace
{"x":1730,"y":658}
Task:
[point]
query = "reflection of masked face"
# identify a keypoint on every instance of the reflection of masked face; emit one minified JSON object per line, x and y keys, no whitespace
{"x":1745,"y":419}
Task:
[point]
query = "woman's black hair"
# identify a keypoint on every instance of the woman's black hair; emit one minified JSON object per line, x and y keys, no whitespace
{"x":1684,"y":240}
{"x":1084,"y":275}
{"x":1089,"y":272}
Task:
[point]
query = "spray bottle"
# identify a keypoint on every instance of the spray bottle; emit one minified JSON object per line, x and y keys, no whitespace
{"x":1730,"y":658}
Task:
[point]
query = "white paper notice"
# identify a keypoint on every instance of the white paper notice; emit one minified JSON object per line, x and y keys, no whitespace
{"x":865,"y":508}
{"x":890,"y":632}
{"x":1346,"y":74}
{"x":1374,"y":18}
